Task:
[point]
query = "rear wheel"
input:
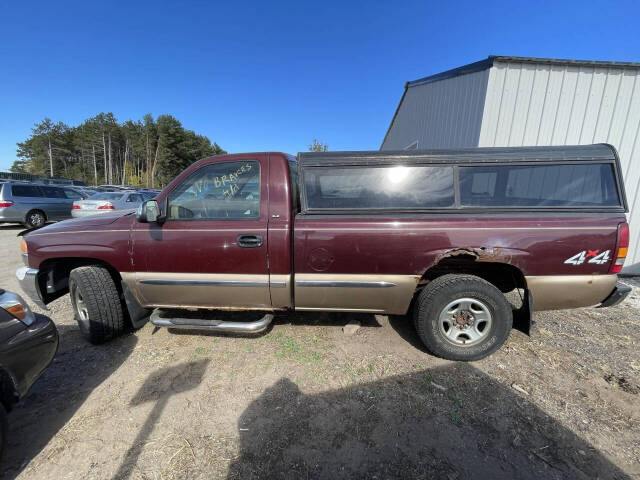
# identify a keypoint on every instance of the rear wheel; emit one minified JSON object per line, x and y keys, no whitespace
{"x":96,"y":304}
{"x":462,"y":317}
{"x":35,"y":219}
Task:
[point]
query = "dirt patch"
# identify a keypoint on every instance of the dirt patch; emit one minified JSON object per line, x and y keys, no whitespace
{"x":304,"y":400}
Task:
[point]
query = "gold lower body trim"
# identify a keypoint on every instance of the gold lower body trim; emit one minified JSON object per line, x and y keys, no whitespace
{"x":354,"y":293}
{"x":330,"y":292}
{"x":200,"y":290}
{"x":555,"y":292}
{"x":280,"y":287}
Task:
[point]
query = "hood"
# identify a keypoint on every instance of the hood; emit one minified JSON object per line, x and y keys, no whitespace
{"x":82,"y":222}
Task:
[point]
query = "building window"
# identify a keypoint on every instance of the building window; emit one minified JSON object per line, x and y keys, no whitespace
{"x":412,"y":146}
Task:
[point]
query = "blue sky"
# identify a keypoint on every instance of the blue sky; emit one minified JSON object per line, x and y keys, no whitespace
{"x":271,"y":75}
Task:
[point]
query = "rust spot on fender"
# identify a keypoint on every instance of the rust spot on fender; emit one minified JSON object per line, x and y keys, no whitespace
{"x":481,"y":254}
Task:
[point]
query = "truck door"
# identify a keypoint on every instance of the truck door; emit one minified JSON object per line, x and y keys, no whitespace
{"x":212,"y":249}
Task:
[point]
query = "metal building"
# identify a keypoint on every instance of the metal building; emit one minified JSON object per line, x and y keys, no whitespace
{"x":518,"y":101}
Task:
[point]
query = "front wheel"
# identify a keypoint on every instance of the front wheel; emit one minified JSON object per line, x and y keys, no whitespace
{"x":35,"y":219}
{"x":462,"y":317}
{"x":96,"y":304}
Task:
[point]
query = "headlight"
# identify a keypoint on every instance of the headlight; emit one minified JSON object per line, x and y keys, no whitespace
{"x":16,"y":307}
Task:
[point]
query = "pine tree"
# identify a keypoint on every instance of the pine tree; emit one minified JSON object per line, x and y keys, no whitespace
{"x":146,"y":152}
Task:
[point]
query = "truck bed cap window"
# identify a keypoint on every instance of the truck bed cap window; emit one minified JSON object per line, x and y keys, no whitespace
{"x":568,"y":185}
{"x":380,"y":187}
{"x":584,"y":178}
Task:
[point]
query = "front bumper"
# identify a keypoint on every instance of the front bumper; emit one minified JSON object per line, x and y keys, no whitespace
{"x":28,"y":278}
{"x":619,"y":293}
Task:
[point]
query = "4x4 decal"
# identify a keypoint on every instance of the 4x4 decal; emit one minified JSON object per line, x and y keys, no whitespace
{"x":590,"y":256}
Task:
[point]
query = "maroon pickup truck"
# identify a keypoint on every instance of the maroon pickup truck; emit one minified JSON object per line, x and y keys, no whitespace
{"x":442,"y":234}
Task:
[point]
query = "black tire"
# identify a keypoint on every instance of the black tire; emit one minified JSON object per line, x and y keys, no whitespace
{"x":96,"y":304}
{"x":35,"y":219}
{"x":441,"y":293}
{"x":3,"y":429}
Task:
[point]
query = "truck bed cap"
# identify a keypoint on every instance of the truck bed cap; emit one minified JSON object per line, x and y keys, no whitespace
{"x":600,"y":152}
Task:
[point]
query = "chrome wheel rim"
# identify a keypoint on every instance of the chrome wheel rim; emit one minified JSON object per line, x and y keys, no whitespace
{"x":36,"y":219}
{"x":80,"y":305}
{"x":465,"y":322}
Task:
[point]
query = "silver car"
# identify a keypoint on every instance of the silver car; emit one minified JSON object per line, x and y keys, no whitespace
{"x":33,"y":205}
{"x":104,"y":202}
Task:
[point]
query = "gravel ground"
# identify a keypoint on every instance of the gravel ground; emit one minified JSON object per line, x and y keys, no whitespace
{"x":305,"y":400}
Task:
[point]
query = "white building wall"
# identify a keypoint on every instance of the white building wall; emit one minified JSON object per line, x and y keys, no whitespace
{"x":442,"y":114}
{"x":538,"y":104}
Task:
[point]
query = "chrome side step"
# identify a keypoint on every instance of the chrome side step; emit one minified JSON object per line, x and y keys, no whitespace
{"x":211,"y":325}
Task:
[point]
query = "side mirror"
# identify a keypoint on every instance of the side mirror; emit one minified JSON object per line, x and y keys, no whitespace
{"x":148,"y":212}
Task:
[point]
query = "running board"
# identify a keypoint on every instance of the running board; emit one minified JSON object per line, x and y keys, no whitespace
{"x":211,"y":325}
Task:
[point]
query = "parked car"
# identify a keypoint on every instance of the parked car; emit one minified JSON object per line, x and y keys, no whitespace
{"x":107,"y":188}
{"x":441,"y":234}
{"x":149,"y":194}
{"x":83,"y":192}
{"x":28,"y":343}
{"x":86,"y":190}
{"x":105,"y":202}
{"x":33,"y":205}
{"x":114,"y":188}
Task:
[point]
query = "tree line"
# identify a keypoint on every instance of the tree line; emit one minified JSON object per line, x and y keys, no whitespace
{"x":148,"y":152}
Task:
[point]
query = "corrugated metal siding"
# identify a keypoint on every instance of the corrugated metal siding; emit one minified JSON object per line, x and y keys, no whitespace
{"x":441,"y":114}
{"x":535,"y":104}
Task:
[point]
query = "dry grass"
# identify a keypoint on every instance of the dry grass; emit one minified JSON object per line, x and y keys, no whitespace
{"x":305,"y":400}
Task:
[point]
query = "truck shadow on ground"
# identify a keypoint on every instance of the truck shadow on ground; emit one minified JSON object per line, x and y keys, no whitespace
{"x":403,"y":326}
{"x":12,"y":226}
{"x":78,"y":368}
{"x":20,"y":230}
{"x":449,"y":422}
{"x":158,"y":389}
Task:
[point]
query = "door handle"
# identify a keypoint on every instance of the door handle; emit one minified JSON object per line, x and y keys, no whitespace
{"x":249,"y":241}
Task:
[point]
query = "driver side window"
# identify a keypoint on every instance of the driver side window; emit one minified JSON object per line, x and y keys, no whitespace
{"x":229,"y":190}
